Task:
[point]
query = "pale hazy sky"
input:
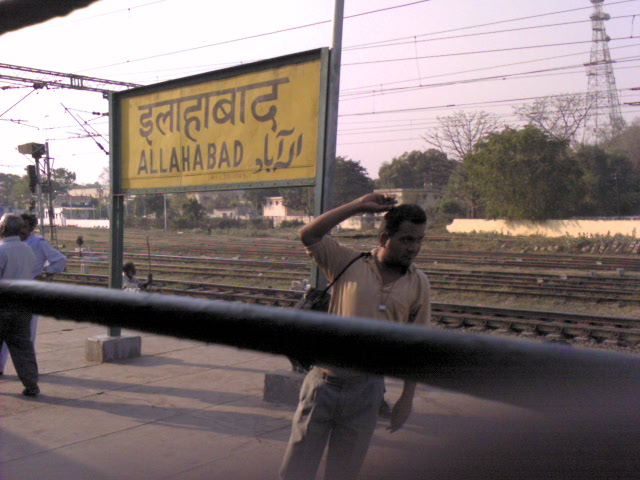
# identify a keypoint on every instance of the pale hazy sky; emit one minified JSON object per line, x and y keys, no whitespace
{"x":390,"y":94}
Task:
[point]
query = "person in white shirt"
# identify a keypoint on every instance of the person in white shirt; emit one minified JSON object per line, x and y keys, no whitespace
{"x":16,"y":263}
{"x":49,"y":261}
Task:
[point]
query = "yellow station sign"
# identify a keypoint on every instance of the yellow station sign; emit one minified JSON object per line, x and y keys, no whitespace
{"x":254,"y":127}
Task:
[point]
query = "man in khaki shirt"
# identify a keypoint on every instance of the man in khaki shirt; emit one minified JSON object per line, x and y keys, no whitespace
{"x":337,"y":405}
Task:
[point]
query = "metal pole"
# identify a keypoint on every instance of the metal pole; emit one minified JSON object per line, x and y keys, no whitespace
{"x":332,"y":107}
{"x":324,"y":190}
{"x":116,"y":221}
{"x":40,"y":209}
{"x":52,"y":225}
{"x":164,"y":196}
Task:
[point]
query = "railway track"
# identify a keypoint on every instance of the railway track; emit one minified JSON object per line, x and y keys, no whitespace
{"x":575,"y":287}
{"x":579,"y":329}
{"x":293,"y":251}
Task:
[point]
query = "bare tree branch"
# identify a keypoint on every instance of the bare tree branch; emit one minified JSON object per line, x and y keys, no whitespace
{"x":560,"y":116}
{"x":457,"y":134}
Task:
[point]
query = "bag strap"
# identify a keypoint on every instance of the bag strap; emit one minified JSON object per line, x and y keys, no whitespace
{"x":361,"y":255}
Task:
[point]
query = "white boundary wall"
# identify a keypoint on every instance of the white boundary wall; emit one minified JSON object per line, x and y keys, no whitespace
{"x":550,"y":228}
{"x":83,"y":223}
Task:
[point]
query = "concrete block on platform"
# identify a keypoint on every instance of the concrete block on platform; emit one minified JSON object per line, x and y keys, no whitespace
{"x":103,"y":348}
{"x":282,"y":386}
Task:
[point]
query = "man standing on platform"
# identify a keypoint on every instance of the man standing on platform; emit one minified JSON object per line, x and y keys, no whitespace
{"x":338,"y":405}
{"x":46,"y":256}
{"x":16,"y":263}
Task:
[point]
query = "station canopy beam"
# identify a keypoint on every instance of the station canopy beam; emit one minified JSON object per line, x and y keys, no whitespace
{"x":39,"y":78}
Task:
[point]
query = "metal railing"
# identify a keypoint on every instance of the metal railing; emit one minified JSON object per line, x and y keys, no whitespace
{"x":520,"y":372}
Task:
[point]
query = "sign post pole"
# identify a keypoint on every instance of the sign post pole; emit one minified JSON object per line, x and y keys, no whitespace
{"x":117,"y":206}
{"x":324,"y":189}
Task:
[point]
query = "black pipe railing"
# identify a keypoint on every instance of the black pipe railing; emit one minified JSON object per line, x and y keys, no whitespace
{"x":519,"y":372}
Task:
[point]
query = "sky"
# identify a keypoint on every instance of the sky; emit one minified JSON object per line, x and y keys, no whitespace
{"x":404,"y":64}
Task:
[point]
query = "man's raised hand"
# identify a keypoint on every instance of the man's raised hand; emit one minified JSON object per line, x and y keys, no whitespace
{"x":376,"y":202}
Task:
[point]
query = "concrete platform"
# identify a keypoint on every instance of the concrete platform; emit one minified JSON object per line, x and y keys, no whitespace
{"x":187,"y":410}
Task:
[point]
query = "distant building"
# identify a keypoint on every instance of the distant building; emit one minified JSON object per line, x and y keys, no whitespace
{"x":242,"y":211}
{"x":425,"y":197}
{"x":273,"y":207}
{"x":93,"y":192}
{"x":75,"y":207}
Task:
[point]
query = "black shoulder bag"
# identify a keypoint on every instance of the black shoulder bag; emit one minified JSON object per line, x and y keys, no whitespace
{"x":318,"y":300}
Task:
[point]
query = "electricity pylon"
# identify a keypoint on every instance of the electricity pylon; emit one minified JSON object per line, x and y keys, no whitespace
{"x":604,"y":118}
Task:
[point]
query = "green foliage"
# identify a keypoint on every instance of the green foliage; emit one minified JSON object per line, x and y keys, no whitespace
{"x":463,"y":191}
{"x":525,"y":175}
{"x":612,"y":183}
{"x":298,"y":198}
{"x":7,"y":183}
{"x":18,"y":195}
{"x":256,"y":196}
{"x":350,"y":181}
{"x":192,"y":210}
{"x":627,"y":142}
{"x":224,"y":223}
{"x":260,"y":223}
{"x":291,"y":224}
{"x":62,"y":180}
{"x":451,"y":208}
{"x":416,"y":169}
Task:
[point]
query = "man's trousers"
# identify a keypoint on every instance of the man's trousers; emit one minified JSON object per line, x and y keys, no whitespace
{"x":15,"y":331}
{"x":342,"y":411}
{"x":4,"y":351}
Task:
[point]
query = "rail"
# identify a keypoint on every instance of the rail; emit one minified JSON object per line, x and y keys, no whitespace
{"x":523,"y":373}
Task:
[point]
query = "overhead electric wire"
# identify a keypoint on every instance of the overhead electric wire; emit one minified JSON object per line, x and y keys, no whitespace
{"x":439,"y":107}
{"x":517,"y":76}
{"x":83,"y":127}
{"x":476,"y":52}
{"x":250,"y":37}
{"x":365,"y":142}
{"x":510,"y":30}
{"x":489,"y":78}
{"x":203,"y":67}
{"x":345,"y":92}
{"x":8,"y":109}
{"x":382,"y":42}
{"x":408,"y":123}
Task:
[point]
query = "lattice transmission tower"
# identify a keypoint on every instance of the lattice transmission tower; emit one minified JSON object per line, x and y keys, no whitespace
{"x":604,"y":118}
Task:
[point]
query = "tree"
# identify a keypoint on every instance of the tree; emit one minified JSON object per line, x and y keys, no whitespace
{"x":525,"y":175}
{"x":628,"y":142}
{"x":299,"y":198}
{"x":20,"y":195}
{"x":416,"y":169}
{"x":461,"y":189}
{"x":350,"y":181}
{"x":612,"y":183}
{"x":256,"y":196}
{"x":104,"y":180}
{"x":7,"y":182}
{"x":559,"y":116}
{"x":62,"y":180}
{"x":222,"y":199}
{"x":192,"y":210}
{"x":458,"y":133}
